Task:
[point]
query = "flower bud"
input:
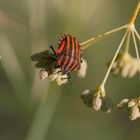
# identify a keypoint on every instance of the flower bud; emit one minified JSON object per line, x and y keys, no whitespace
{"x":97,"y":103}
{"x":131,"y":103}
{"x":126,"y":65}
{"x":135,"y":113}
{"x":61,"y":79}
{"x":122,"y":103}
{"x":83,"y":69}
{"x":43,"y":74}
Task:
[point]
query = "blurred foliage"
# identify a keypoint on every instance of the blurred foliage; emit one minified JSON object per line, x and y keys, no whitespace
{"x":32,"y":109}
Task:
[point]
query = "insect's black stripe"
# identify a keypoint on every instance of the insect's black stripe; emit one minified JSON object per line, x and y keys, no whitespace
{"x":69,"y":52}
{"x":74,"y":55}
{"x":77,"y":57}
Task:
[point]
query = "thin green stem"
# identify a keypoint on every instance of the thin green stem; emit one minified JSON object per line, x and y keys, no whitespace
{"x":113,"y":60}
{"x":136,"y":49}
{"x":86,"y":44}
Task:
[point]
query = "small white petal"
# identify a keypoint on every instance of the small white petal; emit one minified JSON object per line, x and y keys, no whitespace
{"x":121,"y":62}
{"x":126,"y":65}
{"x":53,"y":76}
{"x":82,"y":71}
{"x":61,"y":79}
{"x":116,"y":71}
{"x":122,"y":102}
{"x":97,"y":103}
{"x":125,"y":70}
{"x":131,"y":103}
{"x":57,"y":70}
{"x":86,"y":91}
{"x":134,"y":68}
{"x":135,"y":113}
{"x":43,"y":74}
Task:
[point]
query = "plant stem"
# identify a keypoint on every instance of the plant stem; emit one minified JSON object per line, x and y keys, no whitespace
{"x":134,"y":15}
{"x":114,"y":57}
{"x":128,"y":42}
{"x":137,"y":34}
{"x":136,"y":49}
{"x":86,"y":44}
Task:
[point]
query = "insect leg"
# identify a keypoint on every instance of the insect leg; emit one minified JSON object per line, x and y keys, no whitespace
{"x":52,"y":49}
{"x":68,"y":76}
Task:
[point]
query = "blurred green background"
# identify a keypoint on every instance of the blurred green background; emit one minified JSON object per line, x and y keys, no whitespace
{"x":31,"y":109}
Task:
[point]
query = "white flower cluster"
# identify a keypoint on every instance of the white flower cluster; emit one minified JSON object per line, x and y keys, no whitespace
{"x":96,"y":99}
{"x":133,"y":106}
{"x":56,"y":75}
{"x":126,"y":65}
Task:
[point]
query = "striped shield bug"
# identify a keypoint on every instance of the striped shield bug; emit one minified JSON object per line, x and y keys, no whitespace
{"x":68,"y":54}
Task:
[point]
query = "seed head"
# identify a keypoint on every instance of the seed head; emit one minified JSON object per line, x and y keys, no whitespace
{"x":125,"y":65}
{"x":83,"y":69}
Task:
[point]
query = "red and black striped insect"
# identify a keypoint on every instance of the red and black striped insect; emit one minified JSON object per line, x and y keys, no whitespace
{"x":68,"y":54}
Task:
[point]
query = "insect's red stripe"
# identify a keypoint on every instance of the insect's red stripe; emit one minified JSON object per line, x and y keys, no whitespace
{"x":74,"y":67}
{"x":60,"y":60}
{"x":61,"y":47}
{"x":59,"y":51}
{"x":76,"y":57}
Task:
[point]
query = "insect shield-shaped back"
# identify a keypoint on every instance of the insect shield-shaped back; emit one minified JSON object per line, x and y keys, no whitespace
{"x":68,"y":54}
{"x":57,"y":65}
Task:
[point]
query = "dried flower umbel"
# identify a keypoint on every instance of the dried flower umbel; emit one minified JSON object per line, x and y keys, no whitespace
{"x":125,"y":65}
{"x":122,"y":63}
{"x":132,"y":106}
{"x":97,"y":99}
